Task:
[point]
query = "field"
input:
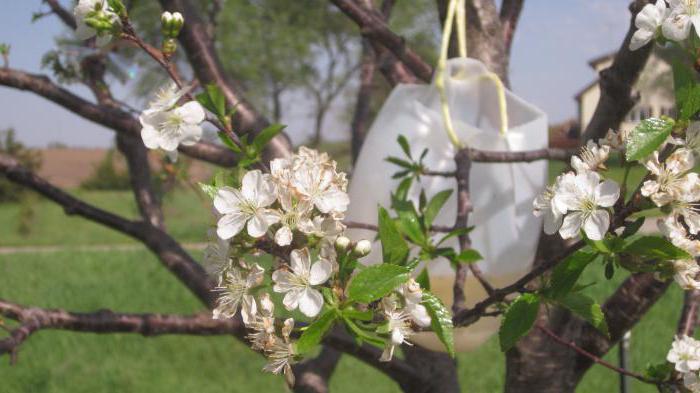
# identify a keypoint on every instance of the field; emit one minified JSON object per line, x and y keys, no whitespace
{"x":133,"y":281}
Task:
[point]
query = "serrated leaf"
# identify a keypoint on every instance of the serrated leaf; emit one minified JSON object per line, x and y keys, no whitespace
{"x":654,"y":247}
{"x":469,"y":256}
{"x":518,"y":320}
{"x":434,"y":206}
{"x":647,"y":137}
{"x":440,"y":320}
{"x":313,"y":334}
{"x":394,"y":247}
{"x":208,"y":189}
{"x":403,"y":142}
{"x":566,"y":273}
{"x":376,"y":281}
{"x":586,"y":308}
{"x":686,"y":89}
{"x":266,"y":136}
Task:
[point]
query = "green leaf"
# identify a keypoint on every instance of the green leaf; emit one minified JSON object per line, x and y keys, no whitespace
{"x":440,"y":320}
{"x":423,"y":279}
{"x":208,"y":189}
{"x":205,"y":101}
{"x":399,"y":162}
{"x":454,"y":233}
{"x":394,"y":247}
{"x":518,"y":320}
{"x":266,"y":136}
{"x":566,"y":273}
{"x":218,"y":101}
{"x":654,"y":247}
{"x":434,"y":206}
{"x":631,"y":227}
{"x":647,"y":137}
{"x":686,"y":89}
{"x":404,"y":145}
{"x":352,"y":313}
{"x":376,"y":281}
{"x":314,"y":332}
{"x":469,"y":256}
{"x":409,"y":223}
{"x":226,"y":140}
{"x":402,"y":189}
{"x":586,"y":308}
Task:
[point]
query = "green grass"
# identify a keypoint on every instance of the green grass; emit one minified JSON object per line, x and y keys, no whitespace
{"x":187,"y":217}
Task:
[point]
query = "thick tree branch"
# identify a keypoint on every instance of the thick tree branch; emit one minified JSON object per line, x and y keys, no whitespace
{"x":113,"y":118}
{"x":374,"y":28}
{"x":205,"y":62}
{"x":509,"y":15}
{"x":688,"y":321}
{"x":616,"y":83}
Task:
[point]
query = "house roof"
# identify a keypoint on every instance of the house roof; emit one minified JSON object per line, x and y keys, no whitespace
{"x":601,"y":59}
{"x":589,"y":86}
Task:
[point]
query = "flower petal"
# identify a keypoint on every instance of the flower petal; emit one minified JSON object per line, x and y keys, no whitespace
{"x":597,"y":224}
{"x":571,"y":226}
{"x":301,"y":262}
{"x":229,"y":225}
{"x":310,"y":302}
{"x":320,"y":272}
{"x":607,"y":193}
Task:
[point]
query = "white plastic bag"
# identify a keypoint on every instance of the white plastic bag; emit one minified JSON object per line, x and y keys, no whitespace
{"x":506,"y":232}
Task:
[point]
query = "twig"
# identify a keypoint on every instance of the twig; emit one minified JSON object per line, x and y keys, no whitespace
{"x":688,"y":320}
{"x":594,"y":358}
{"x":372,"y":227}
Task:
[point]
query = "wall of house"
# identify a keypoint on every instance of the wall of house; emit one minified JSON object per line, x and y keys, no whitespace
{"x":655,"y":88}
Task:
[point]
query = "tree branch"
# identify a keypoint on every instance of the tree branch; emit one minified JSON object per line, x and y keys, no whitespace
{"x":113,"y":118}
{"x":689,"y":314}
{"x":62,"y":13}
{"x":509,"y":15}
{"x":374,"y":28}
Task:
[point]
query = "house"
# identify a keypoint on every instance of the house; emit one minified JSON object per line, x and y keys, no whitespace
{"x":655,"y":89}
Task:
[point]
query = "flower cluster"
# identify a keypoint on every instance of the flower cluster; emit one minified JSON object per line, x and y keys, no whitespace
{"x":685,"y":355}
{"x":581,"y":199}
{"x":166,"y":125}
{"x":95,"y":18}
{"x":673,"y":23}
{"x":295,"y":213}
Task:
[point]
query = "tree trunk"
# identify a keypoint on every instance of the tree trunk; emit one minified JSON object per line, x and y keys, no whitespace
{"x":439,"y":368}
{"x":364,"y":97}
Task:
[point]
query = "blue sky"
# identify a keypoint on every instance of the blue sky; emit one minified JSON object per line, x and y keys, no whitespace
{"x":553,"y":43}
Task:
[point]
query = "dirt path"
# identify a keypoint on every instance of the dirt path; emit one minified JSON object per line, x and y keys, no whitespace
{"x":87,"y":248}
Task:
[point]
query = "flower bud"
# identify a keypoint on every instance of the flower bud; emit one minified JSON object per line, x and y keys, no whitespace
{"x":342,"y":243}
{"x":363,"y":247}
{"x":171,"y":24}
{"x":169,"y":46}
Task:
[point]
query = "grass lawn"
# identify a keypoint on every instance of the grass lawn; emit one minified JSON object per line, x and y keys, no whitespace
{"x":133,"y":281}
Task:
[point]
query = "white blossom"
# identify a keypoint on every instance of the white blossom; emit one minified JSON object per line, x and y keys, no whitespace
{"x":293,"y":213}
{"x":167,"y":97}
{"x":168,"y":129}
{"x":413,"y":296}
{"x":263,"y":325}
{"x":363,"y":248}
{"x":686,"y":271}
{"x":677,"y":234}
{"x":324,"y":227}
{"x":684,"y":15}
{"x":615,"y":139}
{"x":543,"y":207}
{"x":297,"y":284}
{"x":671,"y":177}
{"x":316,"y":184}
{"x":216,"y":254}
{"x":398,"y":326}
{"x":235,"y":283}
{"x":648,"y":21}
{"x":685,"y":354}
{"x":247,"y":205}
{"x":591,"y":158}
{"x":90,"y":8}
{"x":582,"y":198}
